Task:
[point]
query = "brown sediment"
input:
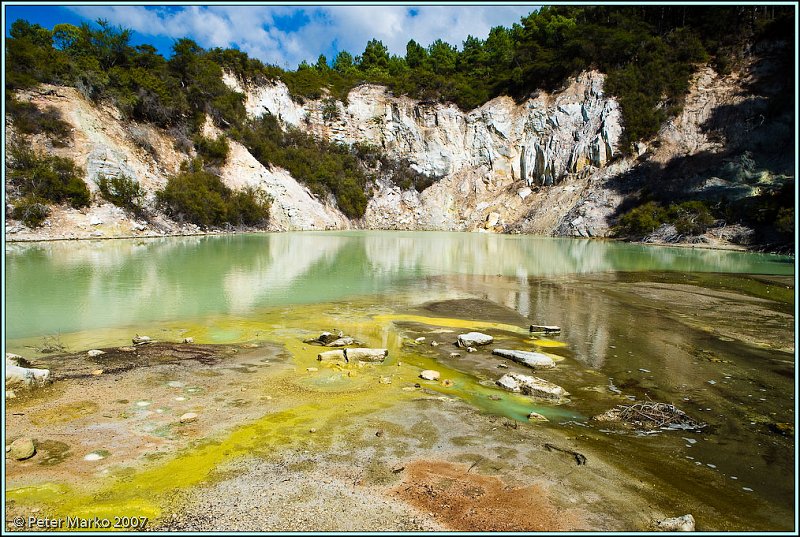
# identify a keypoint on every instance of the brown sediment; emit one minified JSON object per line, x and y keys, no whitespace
{"x":464,"y":500}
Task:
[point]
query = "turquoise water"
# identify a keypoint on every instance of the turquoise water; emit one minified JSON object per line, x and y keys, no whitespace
{"x":62,"y":287}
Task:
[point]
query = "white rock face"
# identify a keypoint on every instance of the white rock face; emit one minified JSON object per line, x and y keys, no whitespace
{"x":293,"y":206}
{"x":487,"y":159}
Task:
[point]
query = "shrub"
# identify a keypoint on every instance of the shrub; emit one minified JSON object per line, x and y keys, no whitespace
{"x":200,"y":197}
{"x":690,"y":217}
{"x":213,"y":152}
{"x":249,"y":207}
{"x":123,"y":192}
{"x":641,"y":220}
{"x":31,"y":210}
{"x":55,"y":179}
{"x":28,"y":119}
{"x":330,"y":112}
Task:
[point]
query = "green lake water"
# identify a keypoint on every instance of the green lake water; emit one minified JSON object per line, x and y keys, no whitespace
{"x":62,"y":287}
{"x":679,"y":325}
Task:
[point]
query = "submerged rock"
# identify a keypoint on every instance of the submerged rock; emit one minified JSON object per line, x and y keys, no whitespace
{"x":544,"y":329}
{"x":681,"y":523}
{"x":323,"y":339}
{"x":474,"y":339}
{"x":528,"y":358}
{"x":429,"y":374}
{"x":21,"y":449}
{"x":533,"y":386}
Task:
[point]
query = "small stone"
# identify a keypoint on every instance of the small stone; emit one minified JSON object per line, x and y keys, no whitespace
{"x":419,"y":339}
{"x":97,"y":372}
{"x":141,"y":340}
{"x":94,"y":456}
{"x":418,"y":385}
{"x":126,"y":349}
{"x":95,"y":352}
{"x":21,"y":449}
{"x":455,"y":355}
{"x":385,"y":380}
{"x":312,"y":430}
{"x":471,"y":349}
{"x":188,"y":417}
{"x":447,"y":383}
{"x":502,"y":366}
{"x":434,"y":343}
{"x":188,"y":340}
{"x":429,"y":374}
{"x":175,"y":384}
{"x":379,"y":433}
{"x":312,"y":369}
{"x":535,"y":416}
{"x":495,"y":397}
{"x":143,"y":403}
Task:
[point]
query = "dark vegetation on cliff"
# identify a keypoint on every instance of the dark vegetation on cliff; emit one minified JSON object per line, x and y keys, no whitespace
{"x":647,"y":52}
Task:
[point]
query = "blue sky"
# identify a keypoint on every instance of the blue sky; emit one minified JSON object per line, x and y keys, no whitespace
{"x":284,"y":35}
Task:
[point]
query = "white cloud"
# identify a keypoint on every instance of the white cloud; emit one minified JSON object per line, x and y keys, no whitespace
{"x":258,"y":29}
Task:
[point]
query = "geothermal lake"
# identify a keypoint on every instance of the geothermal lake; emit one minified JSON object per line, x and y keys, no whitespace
{"x":709,"y":331}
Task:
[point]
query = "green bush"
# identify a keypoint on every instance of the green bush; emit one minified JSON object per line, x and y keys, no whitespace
{"x":200,"y":197}
{"x":690,"y":217}
{"x":641,"y":220}
{"x":123,"y":192}
{"x":31,"y":210}
{"x":213,"y":152}
{"x":28,"y":119}
{"x":52,"y":178}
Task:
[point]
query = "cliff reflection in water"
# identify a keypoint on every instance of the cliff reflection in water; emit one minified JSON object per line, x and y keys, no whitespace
{"x":78,"y":285}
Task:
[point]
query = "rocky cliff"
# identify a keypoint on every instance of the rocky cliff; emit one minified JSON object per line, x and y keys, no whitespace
{"x":549,"y":165}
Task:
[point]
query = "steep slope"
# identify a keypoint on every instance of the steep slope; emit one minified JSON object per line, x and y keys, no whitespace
{"x":493,"y":159}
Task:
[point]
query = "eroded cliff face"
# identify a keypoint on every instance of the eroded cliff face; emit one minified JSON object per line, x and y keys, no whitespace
{"x":549,"y":165}
{"x":493,"y":159}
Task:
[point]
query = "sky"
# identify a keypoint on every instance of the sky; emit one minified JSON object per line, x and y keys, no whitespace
{"x":285,"y":35}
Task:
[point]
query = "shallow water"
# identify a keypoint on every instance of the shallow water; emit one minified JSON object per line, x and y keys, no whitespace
{"x":689,"y":327}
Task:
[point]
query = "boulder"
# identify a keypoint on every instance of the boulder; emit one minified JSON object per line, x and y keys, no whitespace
{"x":340,"y":342}
{"x":429,"y":374}
{"x":474,"y":339}
{"x":535,"y":416}
{"x":535,"y":360}
{"x":16,"y":375}
{"x":331,"y":355}
{"x":141,"y":340}
{"x":681,"y":523}
{"x":188,"y":417}
{"x":365,"y":355}
{"x":532,"y":386}
{"x":323,"y":339}
{"x":21,"y":449}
